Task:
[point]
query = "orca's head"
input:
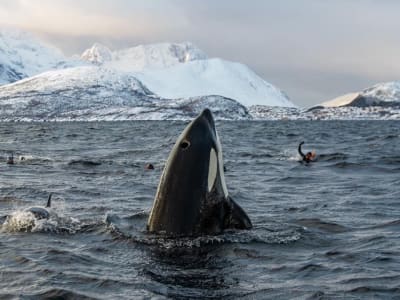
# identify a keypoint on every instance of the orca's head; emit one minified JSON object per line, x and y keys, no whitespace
{"x":193,"y":171}
{"x":39,"y":212}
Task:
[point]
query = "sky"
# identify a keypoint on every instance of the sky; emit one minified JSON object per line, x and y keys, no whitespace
{"x":314,"y":50}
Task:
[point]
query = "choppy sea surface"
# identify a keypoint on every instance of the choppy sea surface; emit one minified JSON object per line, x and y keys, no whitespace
{"x":324,"y":230}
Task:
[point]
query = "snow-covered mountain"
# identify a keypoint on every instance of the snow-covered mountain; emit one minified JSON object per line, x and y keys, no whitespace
{"x":171,"y":70}
{"x":158,"y":81}
{"x":379,"y":102}
{"x":22,"y":55}
{"x":387,"y":93}
{"x":95,"y":93}
{"x":183,"y":71}
{"x":143,"y":57}
{"x":382,"y":94}
{"x":213,"y":77}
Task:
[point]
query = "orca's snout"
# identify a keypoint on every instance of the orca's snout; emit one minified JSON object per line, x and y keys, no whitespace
{"x":207,"y":114}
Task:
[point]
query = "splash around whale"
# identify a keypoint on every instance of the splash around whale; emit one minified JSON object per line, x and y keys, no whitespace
{"x":26,"y":219}
{"x":192,"y":198}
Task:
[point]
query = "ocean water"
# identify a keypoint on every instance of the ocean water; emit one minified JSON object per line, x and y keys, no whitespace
{"x":324,"y":230}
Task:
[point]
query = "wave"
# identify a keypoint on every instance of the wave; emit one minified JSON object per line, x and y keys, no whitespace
{"x":10,"y":200}
{"x":375,"y":290}
{"x":133,"y":228}
{"x":57,"y":293}
{"x":28,"y":159}
{"x":386,"y":224}
{"x":391,"y":159}
{"x":391,"y":136}
{"x":84,"y":162}
{"x":332,"y":156}
{"x":346,"y":164}
{"x":25,"y":221}
{"x":318,"y":224}
{"x":254,"y":155}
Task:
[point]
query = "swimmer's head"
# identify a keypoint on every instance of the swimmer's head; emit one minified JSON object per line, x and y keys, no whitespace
{"x":149,"y":167}
{"x":309,"y":156}
{"x":10,"y":159}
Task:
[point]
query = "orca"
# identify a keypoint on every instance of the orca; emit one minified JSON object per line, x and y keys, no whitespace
{"x":192,"y":198}
{"x":40,"y":212}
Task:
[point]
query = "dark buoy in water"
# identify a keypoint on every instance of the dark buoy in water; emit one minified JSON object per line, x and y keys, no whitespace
{"x":149,"y":167}
{"x":10,"y":159}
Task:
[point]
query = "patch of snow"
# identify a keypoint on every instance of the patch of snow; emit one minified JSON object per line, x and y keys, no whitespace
{"x":21,"y":56}
{"x":384,"y":92}
{"x":139,"y":58}
{"x":213,"y":77}
{"x":341,"y":101}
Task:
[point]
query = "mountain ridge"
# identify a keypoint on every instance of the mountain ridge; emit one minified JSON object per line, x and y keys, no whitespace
{"x":170,"y":70}
{"x":104,"y":94}
{"x":381,"y":94}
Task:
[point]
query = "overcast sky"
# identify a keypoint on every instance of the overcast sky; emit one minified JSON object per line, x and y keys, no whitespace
{"x":314,"y":50}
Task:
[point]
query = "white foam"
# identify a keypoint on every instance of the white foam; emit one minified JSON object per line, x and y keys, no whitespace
{"x":19,"y":221}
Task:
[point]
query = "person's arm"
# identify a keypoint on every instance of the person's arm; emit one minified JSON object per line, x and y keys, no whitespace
{"x":300,"y":152}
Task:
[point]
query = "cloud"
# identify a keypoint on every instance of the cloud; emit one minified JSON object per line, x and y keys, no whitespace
{"x":103,"y":18}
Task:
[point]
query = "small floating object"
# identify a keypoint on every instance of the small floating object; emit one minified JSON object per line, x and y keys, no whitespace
{"x":10,"y":160}
{"x":149,"y":166}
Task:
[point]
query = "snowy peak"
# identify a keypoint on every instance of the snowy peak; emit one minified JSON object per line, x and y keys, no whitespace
{"x":382,"y":94}
{"x":152,"y":56}
{"x":97,"y":55}
{"x":21,"y":55}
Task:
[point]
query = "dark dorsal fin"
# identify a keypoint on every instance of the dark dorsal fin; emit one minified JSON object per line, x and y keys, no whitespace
{"x":49,"y":200}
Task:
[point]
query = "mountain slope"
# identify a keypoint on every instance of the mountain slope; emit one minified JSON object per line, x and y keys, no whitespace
{"x":21,"y":56}
{"x":172,"y":71}
{"x":182,"y":71}
{"x":213,"y":77}
{"x":382,"y":94}
{"x":95,"y":93}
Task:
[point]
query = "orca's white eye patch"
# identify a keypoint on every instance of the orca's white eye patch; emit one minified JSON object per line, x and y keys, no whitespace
{"x":184,"y":144}
{"x":212,"y":169}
